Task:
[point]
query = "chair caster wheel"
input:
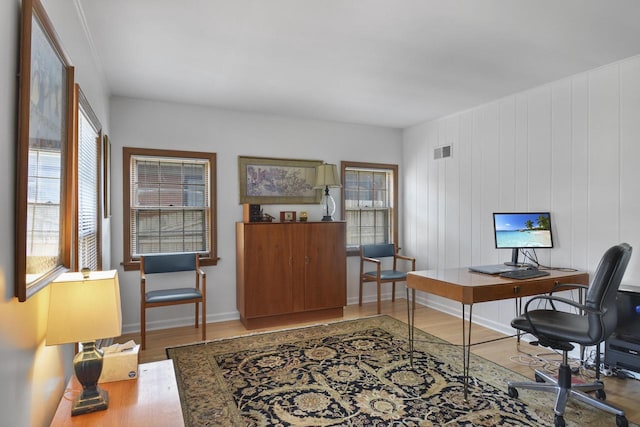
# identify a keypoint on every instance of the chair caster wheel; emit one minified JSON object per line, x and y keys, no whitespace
{"x":558,"y":421}
{"x":621,"y":421}
{"x":512,"y":392}
{"x":601,"y":395}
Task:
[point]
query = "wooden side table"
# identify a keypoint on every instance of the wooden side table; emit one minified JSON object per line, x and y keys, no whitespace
{"x":150,"y":400}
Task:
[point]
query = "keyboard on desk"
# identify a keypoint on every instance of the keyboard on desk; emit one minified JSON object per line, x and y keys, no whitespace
{"x":524,"y":274}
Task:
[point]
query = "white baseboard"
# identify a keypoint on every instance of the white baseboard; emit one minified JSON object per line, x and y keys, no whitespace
{"x":132,"y":328}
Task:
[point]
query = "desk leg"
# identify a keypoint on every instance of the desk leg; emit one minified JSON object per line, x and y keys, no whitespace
{"x":466,"y":348}
{"x":411,"y":315}
{"x":518,"y":308}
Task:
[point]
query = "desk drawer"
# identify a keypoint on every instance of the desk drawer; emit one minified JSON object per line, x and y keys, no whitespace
{"x":523,"y":288}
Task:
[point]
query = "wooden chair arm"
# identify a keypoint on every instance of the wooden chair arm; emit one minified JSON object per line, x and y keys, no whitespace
{"x":407,"y":258}
{"x":373,"y":260}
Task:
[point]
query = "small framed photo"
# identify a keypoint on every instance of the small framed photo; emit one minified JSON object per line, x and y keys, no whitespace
{"x":287,"y":216}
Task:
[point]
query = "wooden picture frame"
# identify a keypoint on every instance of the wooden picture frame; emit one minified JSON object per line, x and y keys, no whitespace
{"x":106,"y":191}
{"x":287,"y":216}
{"x":44,"y":158}
{"x":265,"y":180}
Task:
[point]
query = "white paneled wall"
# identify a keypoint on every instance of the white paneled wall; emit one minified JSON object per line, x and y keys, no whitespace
{"x":571,"y":147}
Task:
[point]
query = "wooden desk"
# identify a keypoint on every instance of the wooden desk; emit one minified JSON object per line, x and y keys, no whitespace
{"x":151,"y":400}
{"x":468,"y":288}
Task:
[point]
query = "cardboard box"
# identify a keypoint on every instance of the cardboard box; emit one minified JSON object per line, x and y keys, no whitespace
{"x":121,"y":365}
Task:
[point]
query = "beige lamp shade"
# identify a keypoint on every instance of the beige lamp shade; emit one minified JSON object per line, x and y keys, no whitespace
{"x":82,"y":310}
{"x":327,"y":176}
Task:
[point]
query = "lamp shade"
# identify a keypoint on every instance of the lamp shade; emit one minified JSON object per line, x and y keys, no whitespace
{"x":327,"y":176}
{"x":83,"y":310}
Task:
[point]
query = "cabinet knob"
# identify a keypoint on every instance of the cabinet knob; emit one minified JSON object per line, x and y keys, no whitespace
{"x":307,"y":259}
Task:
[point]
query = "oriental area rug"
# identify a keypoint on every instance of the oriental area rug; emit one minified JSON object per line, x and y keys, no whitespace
{"x":352,"y":373}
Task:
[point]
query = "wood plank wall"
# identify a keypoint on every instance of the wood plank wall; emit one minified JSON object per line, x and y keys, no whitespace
{"x":571,"y":147}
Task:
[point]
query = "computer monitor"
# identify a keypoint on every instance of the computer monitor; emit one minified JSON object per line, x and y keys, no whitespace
{"x":522,"y":230}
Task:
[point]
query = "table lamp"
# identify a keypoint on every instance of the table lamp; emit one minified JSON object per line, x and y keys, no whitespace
{"x":84,"y":310}
{"x":327,"y":176}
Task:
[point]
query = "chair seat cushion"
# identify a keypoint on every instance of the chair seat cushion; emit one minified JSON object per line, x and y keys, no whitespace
{"x":558,"y":325}
{"x":388,"y":275}
{"x":170,"y":295}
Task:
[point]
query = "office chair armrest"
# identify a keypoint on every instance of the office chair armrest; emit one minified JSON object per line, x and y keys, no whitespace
{"x":551,"y":298}
{"x":556,"y":299}
{"x":559,"y":286}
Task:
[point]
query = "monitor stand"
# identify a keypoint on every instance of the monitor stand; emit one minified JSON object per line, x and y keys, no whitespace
{"x":514,"y":259}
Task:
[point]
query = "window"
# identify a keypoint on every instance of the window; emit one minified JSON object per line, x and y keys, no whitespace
{"x":89,"y":253}
{"x":44,"y":164}
{"x":43,"y":210}
{"x":169,"y":203}
{"x":369,"y":203}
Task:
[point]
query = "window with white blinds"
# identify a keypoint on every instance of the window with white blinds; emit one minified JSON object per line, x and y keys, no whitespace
{"x":43,"y":209}
{"x":369,"y":203}
{"x":171,"y":203}
{"x":88,"y":219}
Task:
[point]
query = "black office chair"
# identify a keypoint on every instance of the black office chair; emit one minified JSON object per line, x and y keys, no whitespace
{"x":593,"y":325}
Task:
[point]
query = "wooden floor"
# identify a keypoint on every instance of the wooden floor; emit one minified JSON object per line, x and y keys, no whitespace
{"x":624,"y":393}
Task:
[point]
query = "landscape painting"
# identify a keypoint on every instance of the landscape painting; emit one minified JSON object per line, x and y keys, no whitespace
{"x":266,"y":180}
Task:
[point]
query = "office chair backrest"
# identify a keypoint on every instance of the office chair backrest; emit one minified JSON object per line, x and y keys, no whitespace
{"x":169,"y":263}
{"x":378,"y":251}
{"x":602,"y":293}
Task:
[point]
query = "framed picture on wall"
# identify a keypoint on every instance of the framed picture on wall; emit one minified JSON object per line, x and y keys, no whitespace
{"x":265,"y":180}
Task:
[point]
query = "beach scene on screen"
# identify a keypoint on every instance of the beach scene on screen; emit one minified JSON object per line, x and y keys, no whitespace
{"x":523,"y":230}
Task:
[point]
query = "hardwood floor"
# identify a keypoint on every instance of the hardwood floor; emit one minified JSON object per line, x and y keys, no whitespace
{"x":624,"y":393}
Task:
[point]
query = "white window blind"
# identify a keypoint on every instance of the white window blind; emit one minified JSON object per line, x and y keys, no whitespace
{"x":368,"y":200}
{"x":43,"y":210}
{"x":88,"y":192}
{"x":170,"y":205}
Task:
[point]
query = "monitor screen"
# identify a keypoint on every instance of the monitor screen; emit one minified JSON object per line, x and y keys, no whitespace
{"x":522,"y":230}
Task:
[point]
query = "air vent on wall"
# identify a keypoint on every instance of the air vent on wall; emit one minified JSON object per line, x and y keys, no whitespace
{"x":442,"y":152}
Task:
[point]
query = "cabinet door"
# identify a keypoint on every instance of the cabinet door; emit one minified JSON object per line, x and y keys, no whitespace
{"x":325,"y":265}
{"x":268,"y":284}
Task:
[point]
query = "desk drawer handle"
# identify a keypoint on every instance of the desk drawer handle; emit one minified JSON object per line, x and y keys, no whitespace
{"x":516,"y":289}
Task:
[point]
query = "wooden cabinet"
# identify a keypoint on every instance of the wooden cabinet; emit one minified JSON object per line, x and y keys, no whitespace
{"x":290,"y":271}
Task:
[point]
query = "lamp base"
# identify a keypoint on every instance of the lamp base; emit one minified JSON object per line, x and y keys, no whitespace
{"x":88,"y":367}
{"x":84,"y":405}
{"x":328,"y":205}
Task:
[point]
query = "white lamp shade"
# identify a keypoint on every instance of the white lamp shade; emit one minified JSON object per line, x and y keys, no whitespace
{"x":82,"y":310}
{"x":327,"y":176}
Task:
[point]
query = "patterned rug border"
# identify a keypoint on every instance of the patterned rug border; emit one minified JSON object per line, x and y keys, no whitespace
{"x":285,"y":329}
{"x":489,"y":372}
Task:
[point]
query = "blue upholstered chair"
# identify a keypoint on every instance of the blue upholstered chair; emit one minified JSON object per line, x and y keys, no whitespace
{"x":374,"y":254}
{"x":196,"y":294}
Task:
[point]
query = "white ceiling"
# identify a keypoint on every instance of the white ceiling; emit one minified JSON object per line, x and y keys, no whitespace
{"x":382,"y":62}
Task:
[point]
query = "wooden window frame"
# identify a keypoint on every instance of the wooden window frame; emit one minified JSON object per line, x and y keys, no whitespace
{"x":133,"y":263}
{"x":344,"y":165}
{"x":26,"y":287}
{"x":81,"y":103}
